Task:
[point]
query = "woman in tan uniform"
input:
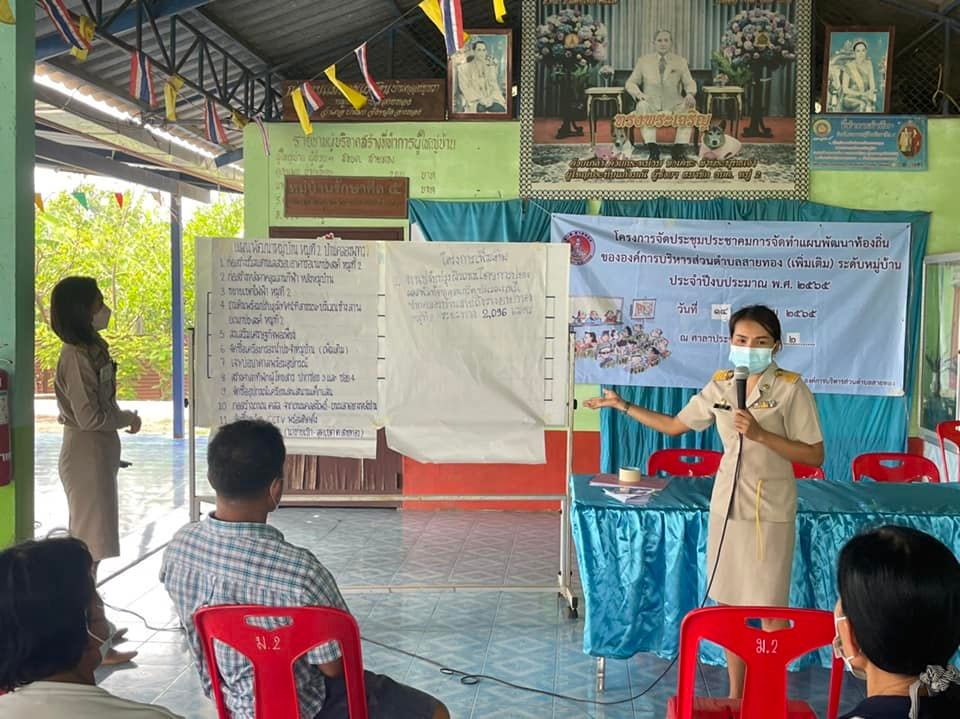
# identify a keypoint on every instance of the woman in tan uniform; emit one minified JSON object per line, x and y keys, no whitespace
{"x":779,"y":427}
{"x":85,"y":386}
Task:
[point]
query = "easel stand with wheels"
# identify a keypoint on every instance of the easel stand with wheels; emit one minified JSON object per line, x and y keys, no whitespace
{"x":565,"y":574}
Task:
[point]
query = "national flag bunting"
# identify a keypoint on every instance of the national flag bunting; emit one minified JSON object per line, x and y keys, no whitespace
{"x":499,"y":10}
{"x":303,"y":114}
{"x":353,"y":97}
{"x":6,"y":16}
{"x":171,"y":89}
{"x":212,"y":125}
{"x":141,"y":78}
{"x":452,"y":16}
{"x":87,"y":30}
{"x":311,"y":97}
{"x":118,"y":196}
{"x":431,"y":8}
{"x":376,"y":94}
{"x":63,"y":21}
{"x":263,"y":135}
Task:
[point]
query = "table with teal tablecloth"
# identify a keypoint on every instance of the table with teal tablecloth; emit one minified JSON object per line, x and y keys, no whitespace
{"x":643,"y":568}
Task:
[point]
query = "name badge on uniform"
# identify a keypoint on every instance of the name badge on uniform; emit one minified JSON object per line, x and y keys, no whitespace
{"x":766,"y":404}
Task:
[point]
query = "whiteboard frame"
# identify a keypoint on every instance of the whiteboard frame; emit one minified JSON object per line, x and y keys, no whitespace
{"x":564,"y":583}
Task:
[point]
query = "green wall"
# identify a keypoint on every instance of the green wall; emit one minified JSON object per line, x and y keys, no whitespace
{"x":480,"y":161}
{"x":934,"y":190}
{"x":443,"y":160}
{"x":16,"y":262}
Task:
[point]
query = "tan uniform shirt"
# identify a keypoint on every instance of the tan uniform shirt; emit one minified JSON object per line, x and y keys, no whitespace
{"x":753,"y":564}
{"x":782,"y":404}
{"x":86,"y":389}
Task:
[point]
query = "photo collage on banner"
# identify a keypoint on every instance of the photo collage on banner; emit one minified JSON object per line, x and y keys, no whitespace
{"x":650,"y":299}
{"x":690,"y":98}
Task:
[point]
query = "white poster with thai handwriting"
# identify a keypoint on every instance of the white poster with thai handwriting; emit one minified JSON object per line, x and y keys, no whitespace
{"x":465,"y":351}
{"x":292,"y":339}
{"x":650,"y":299}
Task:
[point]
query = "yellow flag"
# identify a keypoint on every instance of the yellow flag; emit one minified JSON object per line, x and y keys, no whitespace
{"x":499,"y":10}
{"x":431,"y":8}
{"x":238,"y":120}
{"x":353,"y":97}
{"x":171,"y":88}
{"x":6,"y":14}
{"x":38,"y":201}
{"x":302,"y":113}
{"x":87,"y":30}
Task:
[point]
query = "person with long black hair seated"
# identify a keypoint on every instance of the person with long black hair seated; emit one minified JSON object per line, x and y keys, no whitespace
{"x":898,"y":623}
{"x":53,"y":636}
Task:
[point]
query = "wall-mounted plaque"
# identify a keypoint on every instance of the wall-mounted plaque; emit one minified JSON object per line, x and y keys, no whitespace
{"x":403,"y":101}
{"x":336,"y":196}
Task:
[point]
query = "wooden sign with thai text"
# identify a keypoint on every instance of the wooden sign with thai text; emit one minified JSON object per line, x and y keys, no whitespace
{"x":403,"y":101}
{"x":337,"y":196}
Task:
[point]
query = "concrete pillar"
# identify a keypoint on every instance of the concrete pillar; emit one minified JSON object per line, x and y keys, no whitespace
{"x":16,"y":262}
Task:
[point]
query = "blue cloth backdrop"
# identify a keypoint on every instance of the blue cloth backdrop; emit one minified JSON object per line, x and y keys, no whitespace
{"x":493,"y":221}
{"x":851,"y":424}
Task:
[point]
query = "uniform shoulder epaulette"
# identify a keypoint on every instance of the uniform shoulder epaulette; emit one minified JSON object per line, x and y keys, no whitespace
{"x":722,"y":374}
{"x":788,"y":376}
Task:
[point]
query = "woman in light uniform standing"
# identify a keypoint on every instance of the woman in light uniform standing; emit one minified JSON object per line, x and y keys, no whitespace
{"x":779,"y":427}
{"x":86,"y":391}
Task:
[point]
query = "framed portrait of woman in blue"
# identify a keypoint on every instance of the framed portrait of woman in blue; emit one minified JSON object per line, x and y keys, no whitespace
{"x":856,"y":69}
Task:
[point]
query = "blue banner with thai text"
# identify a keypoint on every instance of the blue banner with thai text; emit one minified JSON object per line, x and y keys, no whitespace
{"x":650,"y":299}
{"x":868,"y":142}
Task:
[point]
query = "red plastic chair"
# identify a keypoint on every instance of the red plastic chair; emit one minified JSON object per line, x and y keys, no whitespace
{"x":805,"y":471}
{"x":273,"y":652}
{"x":684,"y":462}
{"x":766,"y":654}
{"x":947,"y":431}
{"x":894,"y":467}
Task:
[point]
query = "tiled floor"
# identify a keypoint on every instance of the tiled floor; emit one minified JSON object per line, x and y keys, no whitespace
{"x":522,"y":637}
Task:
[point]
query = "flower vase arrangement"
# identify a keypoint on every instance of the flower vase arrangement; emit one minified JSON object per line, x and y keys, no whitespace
{"x":755,"y":43}
{"x":571,"y":43}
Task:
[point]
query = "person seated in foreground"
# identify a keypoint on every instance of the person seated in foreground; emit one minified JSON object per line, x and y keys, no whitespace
{"x":898,"y":623}
{"x":52,"y":636}
{"x":234,"y":557}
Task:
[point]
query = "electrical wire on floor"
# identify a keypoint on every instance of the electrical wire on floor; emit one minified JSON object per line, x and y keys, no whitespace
{"x":142,"y":619}
{"x":469,"y":678}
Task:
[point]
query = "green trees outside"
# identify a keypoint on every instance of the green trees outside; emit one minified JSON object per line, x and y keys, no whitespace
{"x":127,"y":250}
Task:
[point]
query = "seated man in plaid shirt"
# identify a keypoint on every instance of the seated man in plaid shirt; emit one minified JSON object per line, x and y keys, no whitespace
{"x":233,"y":557}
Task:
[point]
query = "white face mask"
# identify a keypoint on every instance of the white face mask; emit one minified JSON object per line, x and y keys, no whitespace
{"x":101,"y":318}
{"x":838,"y":651}
{"x":104,"y":645}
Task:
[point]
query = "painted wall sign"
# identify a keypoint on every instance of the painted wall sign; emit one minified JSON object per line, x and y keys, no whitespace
{"x":335,"y":196}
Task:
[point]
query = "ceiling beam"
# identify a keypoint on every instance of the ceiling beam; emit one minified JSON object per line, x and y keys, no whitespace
{"x":914,"y":10}
{"x":53,"y":44}
{"x":91,"y":163}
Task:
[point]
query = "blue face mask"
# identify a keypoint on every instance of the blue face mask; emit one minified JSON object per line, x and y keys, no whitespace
{"x":756,"y":359}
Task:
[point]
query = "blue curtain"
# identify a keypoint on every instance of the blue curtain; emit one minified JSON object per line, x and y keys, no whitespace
{"x":536,"y":217}
{"x":496,"y":221}
{"x":851,"y":424}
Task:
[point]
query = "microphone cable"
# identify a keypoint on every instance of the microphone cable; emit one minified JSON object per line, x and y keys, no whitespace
{"x":471,"y":678}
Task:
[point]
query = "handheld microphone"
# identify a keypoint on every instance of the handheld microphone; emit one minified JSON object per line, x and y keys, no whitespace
{"x":740,"y":375}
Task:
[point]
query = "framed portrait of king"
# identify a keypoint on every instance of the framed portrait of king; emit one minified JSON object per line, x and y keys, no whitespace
{"x":479,"y":77}
{"x":630,"y":99}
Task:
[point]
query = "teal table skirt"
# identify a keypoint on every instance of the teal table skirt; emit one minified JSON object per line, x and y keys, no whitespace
{"x":644,"y":568}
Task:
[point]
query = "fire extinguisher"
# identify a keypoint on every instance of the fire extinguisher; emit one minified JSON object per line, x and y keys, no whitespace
{"x":6,"y":466}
